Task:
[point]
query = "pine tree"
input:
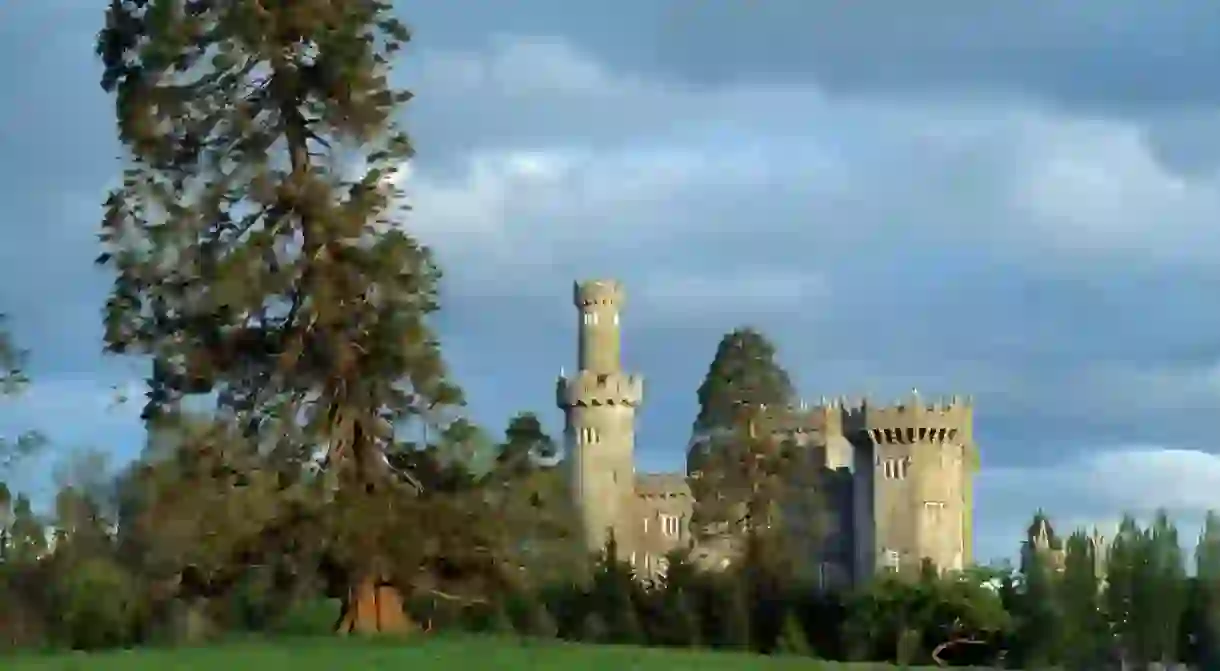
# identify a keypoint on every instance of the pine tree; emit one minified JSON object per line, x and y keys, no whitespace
{"x":250,"y":264}
{"x":1207,"y":572}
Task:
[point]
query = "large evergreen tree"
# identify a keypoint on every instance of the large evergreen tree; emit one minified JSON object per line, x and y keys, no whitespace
{"x":743,"y":373}
{"x":257,"y":244}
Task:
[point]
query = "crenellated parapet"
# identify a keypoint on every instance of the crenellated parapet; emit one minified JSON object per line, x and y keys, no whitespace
{"x":913,"y":420}
{"x":658,"y":486}
{"x":591,"y":389}
{"x":597,"y":293}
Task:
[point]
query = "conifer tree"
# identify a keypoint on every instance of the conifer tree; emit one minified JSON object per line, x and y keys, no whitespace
{"x":258,"y":244}
{"x":1164,"y":589}
{"x":743,"y":372}
{"x":1085,"y":628}
{"x":1039,"y":616}
{"x":1207,"y":574}
{"x":1122,"y":597}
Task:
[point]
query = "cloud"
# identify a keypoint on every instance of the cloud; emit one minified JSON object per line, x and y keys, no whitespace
{"x":1007,"y":178}
{"x":1095,"y":489}
{"x":1011,"y":202}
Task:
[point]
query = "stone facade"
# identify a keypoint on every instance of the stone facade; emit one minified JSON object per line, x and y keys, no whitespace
{"x":896,"y":481}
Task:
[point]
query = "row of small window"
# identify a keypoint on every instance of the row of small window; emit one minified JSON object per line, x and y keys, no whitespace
{"x":671,"y":525}
{"x":590,"y":318}
{"x":895,"y":469}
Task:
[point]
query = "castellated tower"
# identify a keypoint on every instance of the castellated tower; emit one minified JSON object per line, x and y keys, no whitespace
{"x":599,"y":403}
{"x":914,"y":492}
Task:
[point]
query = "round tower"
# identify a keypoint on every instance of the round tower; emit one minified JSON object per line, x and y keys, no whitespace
{"x":599,"y":403}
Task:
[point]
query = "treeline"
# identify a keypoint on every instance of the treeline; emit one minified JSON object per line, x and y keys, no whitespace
{"x":74,"y":580}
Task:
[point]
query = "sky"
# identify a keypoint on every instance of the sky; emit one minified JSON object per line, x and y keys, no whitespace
{"x":1016,"y":201}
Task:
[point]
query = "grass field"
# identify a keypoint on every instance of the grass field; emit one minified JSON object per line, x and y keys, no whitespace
{"x":479,"y":654}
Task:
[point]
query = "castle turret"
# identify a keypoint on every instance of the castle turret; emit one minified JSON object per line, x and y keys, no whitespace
{"x":914,"y":475}
{"x":599,"y":403}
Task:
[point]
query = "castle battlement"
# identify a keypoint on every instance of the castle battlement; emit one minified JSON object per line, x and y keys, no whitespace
{"x":908,"y":420}
{"x":597,"y":292}
{"x":913,"y":420}
{"x":656,"y":486}
{"x":588,"y":388}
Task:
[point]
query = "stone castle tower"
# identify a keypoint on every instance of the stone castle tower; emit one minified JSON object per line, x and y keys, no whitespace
{"x":896,"y":481}
{"x":599,"y":404}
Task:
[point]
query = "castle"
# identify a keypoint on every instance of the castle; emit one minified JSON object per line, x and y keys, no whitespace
{"x":900,"y":491}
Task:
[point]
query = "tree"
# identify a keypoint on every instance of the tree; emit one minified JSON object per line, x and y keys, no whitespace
{"x":13,"y":381}
{"x":675,"y":618}
{"x":1039,"y":616}
{"x":743,"y":372}
{"x":1163,"y":592}
{"x":1122,"y":596}
{"x":254,"y":268}
{"x":1207,"y":573}
{"x":199,"y":509}
{"x":613,"y":597}
{"x":737,"y":469}
{"x":27,"y":534}
{"x":1086,"y":631}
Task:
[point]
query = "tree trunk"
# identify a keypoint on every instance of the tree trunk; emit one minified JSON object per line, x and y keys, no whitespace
{"x":374,"y":606}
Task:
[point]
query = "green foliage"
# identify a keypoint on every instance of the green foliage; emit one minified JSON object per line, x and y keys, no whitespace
{"x":792,"y":639}
{"x":733,"y":625}
{"x":261,"y":263}
{"x":500,"y":623}
{"x":613,"y":595}
{"x":1085,"y":630}
{"x":743,"y":373}
{"x":308,"y":617}
{"x":1039,"y":613}
{"x":97,"y":604}
{"x":1206,"y":612}
{"x":13,"y":381}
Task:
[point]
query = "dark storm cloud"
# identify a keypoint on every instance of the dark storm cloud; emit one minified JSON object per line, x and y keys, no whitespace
{"x":1113,"y":54}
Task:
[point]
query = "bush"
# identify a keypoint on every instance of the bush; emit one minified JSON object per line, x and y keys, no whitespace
{"x":792,"y":637}
{"x":97,"y":606}
{"x":312,"y":617}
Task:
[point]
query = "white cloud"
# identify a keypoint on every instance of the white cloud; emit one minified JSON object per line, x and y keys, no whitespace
{"x":1097,"y":186}
{"x":1095,"y":490}
{"x":579,"y":161}
{"x":1138,"y":480}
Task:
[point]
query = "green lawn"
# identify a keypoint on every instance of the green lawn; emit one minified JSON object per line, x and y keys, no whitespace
{"x":441,"y":654}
